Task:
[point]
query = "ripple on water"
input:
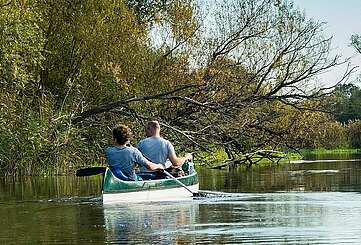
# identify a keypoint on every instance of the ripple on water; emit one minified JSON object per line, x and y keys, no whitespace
{"x":273,"y":218}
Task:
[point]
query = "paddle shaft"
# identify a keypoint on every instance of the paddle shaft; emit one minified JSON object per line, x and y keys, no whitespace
{"x":175,"y":179}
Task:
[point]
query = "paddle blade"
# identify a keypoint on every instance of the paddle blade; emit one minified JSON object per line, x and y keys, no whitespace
{"x":90,"y":171}
{"x":199,"y":194}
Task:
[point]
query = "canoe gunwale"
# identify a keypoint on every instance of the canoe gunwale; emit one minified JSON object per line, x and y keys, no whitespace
{"x":111,"y":184}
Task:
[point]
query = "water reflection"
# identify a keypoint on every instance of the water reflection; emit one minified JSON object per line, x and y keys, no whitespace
{"x":55,"y":187}
{"x":308,"y":218}
{"x":320,"y":176}
{"x":46,"y":223}
{"x":154,"y":223}
{"x":45,"y":210}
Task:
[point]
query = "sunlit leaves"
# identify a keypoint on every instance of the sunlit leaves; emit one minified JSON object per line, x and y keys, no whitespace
{"x":306,"y":128}
{"x":21,"y":45}
{"x":182,"y":20}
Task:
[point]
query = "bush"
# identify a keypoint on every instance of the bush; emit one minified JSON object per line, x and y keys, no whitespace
{"x":353,"y":130}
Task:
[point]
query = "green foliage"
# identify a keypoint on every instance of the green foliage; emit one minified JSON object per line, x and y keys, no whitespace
{"x":59,"y":58}
{"x":94,"y":50}
{"x":21,"y":46}
{"x":147,"y":10}
{"x":323,"y":151}
{"x":210,"y":159}
{"x":353,"y":130}
{"x":48,"y":144}
{"x":304,"y":128}
{"x":55,"y":57}
{"x":346,"y":103}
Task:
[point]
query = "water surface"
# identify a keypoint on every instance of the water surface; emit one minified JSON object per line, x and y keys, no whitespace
{"x":310,"y":203}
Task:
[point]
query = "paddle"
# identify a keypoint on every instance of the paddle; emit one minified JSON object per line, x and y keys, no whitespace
{"x":195,"y":194}
{"x":90,"y":171}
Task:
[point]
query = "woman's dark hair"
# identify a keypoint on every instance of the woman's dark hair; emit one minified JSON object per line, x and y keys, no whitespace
{"x":122,"y":134}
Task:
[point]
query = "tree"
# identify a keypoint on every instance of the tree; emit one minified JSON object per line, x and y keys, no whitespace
{"x":346,"y":103}
{"x":353,"y":130}
{"x":250,"y":55}
{"x":59,"y":58}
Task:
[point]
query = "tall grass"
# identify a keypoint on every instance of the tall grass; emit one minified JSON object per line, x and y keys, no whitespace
{"x":45,"y":142}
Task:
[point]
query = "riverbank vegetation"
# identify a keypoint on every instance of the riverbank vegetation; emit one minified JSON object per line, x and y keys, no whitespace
{"x":239,"y":78}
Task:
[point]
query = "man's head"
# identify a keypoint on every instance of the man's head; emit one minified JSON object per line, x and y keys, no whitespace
{"x":153,"y":128}
{"x":122,"y":134}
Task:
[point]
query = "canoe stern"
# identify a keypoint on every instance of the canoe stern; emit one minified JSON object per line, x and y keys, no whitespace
{"x":116,"y":190}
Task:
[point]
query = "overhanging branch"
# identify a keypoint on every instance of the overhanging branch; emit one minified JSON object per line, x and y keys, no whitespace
{"x":124,"y":103}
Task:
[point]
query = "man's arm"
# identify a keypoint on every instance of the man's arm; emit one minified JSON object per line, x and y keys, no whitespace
{"x":178,"y":161}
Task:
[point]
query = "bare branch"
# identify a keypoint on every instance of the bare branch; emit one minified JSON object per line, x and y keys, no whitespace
{"x":124,"y":103}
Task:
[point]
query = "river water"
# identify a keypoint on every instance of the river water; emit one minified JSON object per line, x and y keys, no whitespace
{"x":301,"y":203}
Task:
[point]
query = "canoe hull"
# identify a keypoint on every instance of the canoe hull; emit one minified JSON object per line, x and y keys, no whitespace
{"x":174,"y":194}
{"x":118,"y":191}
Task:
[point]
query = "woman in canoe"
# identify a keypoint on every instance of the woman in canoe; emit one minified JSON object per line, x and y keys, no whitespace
{"x":122,"y":158}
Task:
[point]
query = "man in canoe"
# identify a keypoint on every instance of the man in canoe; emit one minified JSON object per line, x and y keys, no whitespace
{"x":122,"y":158}
{"x":157,"y":149}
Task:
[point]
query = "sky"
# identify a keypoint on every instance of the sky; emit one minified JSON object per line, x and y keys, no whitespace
{"x":343,"y":18}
